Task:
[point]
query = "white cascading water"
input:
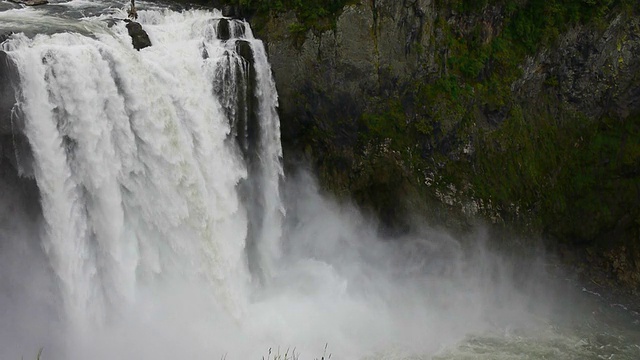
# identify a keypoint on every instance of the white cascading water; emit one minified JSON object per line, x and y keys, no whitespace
{"x":135,"y":172}
{"x":161,"y":230}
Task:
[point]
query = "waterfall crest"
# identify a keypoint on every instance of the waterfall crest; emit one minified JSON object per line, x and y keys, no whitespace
{"x":152,"y":164}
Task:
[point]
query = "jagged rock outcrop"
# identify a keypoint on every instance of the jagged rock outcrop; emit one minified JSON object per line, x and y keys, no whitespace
{"x":139,"y":37}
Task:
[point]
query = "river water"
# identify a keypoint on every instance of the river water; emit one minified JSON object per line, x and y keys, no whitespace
{"x":148,"y":216}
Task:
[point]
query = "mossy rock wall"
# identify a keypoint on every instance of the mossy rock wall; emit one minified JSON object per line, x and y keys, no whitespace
{"x":521,"y":113}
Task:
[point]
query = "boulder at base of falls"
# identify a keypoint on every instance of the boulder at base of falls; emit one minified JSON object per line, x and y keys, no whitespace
{"x":31,"y":2}
{"x":139,"y":37}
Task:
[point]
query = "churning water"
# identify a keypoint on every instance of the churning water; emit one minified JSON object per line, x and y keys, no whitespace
{"x":145,"y":215}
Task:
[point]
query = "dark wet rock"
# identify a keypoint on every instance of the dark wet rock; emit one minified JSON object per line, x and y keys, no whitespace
{"x":248,"y":127}
{"x":231,"y":11}
{"x":112,"y":22}
{"x":14,"y":145}
{"x":244,"y":49}
{"x":204,"y":52}
{"x":495,"y":117}
{"x":16,"y":151}
{"x":4,"y":36}
{"x":8,"y":80}
{"x":224,"y":30}
{"x":139,"y":37}
{"x":30,"y":2}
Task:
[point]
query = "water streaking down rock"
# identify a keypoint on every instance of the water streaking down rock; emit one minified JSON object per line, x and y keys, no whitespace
{"x":30,"y":2}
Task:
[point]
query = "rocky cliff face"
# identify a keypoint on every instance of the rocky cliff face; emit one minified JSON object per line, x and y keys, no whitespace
{"x":419,"y":100}
{"x":376,"y":48}
{"x":594,"y":71}
{"x":14,"y":147}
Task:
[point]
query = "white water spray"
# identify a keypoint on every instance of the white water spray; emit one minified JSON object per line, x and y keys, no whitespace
{"x":163,"y":228}
{"x":135,"y":172}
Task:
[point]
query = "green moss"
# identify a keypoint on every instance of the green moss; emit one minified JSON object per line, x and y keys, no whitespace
{"x":311,"y":14}
{"x":543,"y":166}
{"x":388,"y":123}
{"x":577,"y":178}
{"x":527,"y":159}
{"x":538,"y":164}
{"x":532,"y":23}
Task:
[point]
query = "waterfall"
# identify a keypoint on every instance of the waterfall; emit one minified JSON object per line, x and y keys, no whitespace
{"x":152,"y":165}
{"x":141,"y":217}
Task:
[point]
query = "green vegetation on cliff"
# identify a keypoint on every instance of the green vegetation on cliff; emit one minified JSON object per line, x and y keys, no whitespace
{"x":513,"y":111}
{"x":534,"y":161}
{"x":311,"y":14}
{"x":547,"y":159}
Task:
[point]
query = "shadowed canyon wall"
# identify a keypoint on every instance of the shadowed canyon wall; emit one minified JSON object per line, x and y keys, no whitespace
{"x":522,"y":113}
